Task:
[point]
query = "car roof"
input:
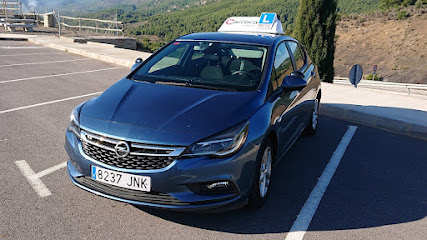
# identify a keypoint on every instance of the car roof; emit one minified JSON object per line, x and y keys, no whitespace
{"x":259,"y":39}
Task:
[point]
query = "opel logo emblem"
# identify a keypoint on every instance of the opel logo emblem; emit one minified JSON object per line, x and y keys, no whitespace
{"x":122,"y":149}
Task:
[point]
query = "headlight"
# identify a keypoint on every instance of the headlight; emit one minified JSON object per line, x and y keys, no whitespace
{"x":74,"y":125}
{"x":223,"y":144}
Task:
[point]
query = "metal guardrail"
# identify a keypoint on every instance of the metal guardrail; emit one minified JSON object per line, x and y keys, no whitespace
{"x":91,"y":24}
{"x":9,"y":9}
{"x":408,"y":86}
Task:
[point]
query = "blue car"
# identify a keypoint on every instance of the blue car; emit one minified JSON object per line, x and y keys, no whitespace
{"x":199,"y":124}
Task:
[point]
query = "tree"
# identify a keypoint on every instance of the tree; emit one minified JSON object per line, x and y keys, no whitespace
{"x":315,"y":27}
{"x":419,"y":3}
{"x":385,"y":4}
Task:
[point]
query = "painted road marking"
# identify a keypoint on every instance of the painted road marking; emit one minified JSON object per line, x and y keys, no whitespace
{"x":51,"y":170}
{"x":34,"y":178}
{"x":29,"y":54}
{"x":57,"y":75}
{"x":306,"y":214}
{"x":9,"y":47}
{"x":50,"y":102}
{"x":39,"y":63}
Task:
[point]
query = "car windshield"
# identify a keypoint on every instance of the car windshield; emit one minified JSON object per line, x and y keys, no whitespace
{"x":205,"y":64}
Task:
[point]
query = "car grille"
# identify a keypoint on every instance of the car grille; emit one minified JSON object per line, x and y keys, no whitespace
{"x":139,"y":157}
{"x":133,"y":195}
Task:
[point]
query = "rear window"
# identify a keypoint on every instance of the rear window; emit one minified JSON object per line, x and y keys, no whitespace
{"x":234,"y":67}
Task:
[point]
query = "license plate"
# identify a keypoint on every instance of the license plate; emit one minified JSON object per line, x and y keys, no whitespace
{"x":121,"y":179}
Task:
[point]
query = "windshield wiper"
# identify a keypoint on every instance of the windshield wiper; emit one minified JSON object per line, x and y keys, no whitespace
{"x":142,"y":80}
{"x":184,"y":83}
{"x":172,"y":83}
{"x":193,"y":85}
{"x":209,"y":87}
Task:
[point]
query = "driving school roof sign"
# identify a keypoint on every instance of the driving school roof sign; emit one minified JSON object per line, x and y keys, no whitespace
{"x":267,"y":23}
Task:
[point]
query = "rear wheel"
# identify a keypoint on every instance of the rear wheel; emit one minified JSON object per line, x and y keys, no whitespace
{"x":311,"y":127}
{"x":261,"y":183}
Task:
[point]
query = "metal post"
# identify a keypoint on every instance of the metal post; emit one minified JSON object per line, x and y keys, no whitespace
{"x":80,"y":24}
{"x":5,"y":11}
{"x":96,"y":26}
{"x":59,"y":23}
{"x":117,"y":32}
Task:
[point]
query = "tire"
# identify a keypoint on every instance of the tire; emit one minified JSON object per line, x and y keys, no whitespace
{"x":311,"y":127}
{"x":262,"y":179}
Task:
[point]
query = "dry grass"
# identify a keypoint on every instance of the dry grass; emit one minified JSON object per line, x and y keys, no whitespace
{"x":398,"y":47}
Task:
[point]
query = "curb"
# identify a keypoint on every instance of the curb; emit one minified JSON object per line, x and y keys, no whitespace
{"x":101,"y":44}
{"x":97,"y":56}
{"x":374,"y":121}
{"x":13,"y":39}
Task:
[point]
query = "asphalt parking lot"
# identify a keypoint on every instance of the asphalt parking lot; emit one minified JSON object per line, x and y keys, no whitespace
{"x":378,"y":190}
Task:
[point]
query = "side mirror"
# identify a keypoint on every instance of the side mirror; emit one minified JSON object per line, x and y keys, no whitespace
{"x":293,"y":83}
{"x":297,"y":74}
{"x":138,"y":61}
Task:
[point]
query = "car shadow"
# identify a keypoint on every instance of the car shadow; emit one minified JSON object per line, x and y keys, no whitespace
{"x":350,"y":202}
{"x":268,"y":219}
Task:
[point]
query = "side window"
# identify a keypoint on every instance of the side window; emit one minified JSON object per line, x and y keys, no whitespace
{"x":298,"y":54}
{"x":172,"y":58}
{"x":197,"y":55}
{"x":282,"y":66}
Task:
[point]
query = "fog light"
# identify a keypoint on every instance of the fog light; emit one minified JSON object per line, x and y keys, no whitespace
{"x":209,"y":188}
{"x":218,"y":185}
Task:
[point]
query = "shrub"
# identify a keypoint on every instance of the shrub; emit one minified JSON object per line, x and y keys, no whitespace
{"x":371,"y":76}
{"x":402,"y":15}
{"x":408,"y":2}
{"x":147,"y":45}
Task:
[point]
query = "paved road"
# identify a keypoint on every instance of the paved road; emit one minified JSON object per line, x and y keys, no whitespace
{"x":379,"y":190}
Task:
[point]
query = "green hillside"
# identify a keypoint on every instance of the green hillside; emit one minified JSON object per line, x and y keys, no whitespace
{"x":168,"y":19}
{"x":210,"y":17}
{"x":130,"y":13}
{"x":131,"y":8}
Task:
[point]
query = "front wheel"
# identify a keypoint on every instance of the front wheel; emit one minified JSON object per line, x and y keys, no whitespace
{"x":311,"y":127}
{"x":262,"y":178}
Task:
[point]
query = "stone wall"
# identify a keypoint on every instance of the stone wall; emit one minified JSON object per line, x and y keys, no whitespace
{"x":120,"y":42}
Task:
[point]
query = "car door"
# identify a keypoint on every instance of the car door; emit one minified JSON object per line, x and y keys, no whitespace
{"x":302,"y":104}
{"x":284,"y":123}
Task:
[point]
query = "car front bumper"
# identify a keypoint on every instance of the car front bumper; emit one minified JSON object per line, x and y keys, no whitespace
{"x":169,"y":188}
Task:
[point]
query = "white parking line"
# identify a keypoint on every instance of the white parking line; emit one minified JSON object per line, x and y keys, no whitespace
{"x":34,"y":178}
{"x":57,"y":75}
{"x":9,"y":47}
{"x":27,"y":54}
{"x":306,"y":214}
{"x":50,"y":102}
{"x":51,"y":169}
{"x":37,"y":63}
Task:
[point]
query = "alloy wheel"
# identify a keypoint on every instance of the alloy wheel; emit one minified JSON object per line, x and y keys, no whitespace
{"x":315,"y":116}
{"x":265,"y":172}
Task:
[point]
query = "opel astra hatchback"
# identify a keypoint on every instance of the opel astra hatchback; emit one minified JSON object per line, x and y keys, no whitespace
{"x":199,"y":124}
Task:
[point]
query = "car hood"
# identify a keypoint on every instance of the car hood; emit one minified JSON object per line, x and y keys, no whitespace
{"x":165,"y":114}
